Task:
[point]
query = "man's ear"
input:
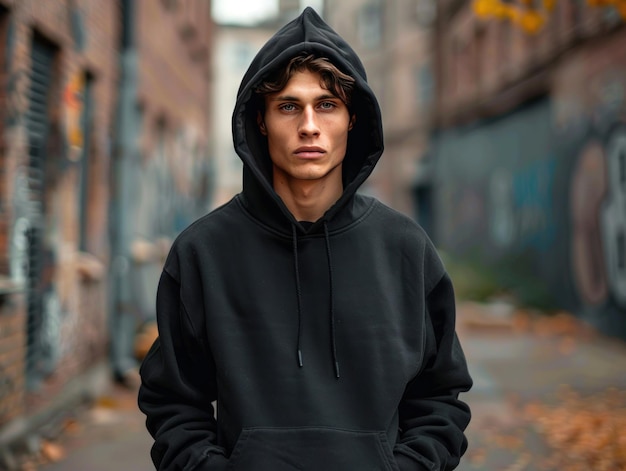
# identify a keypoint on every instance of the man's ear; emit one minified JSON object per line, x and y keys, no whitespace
{"x":261,"y":122}
{"x":352,"y":121}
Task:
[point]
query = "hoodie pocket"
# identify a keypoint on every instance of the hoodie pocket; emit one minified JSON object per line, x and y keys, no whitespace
{"x":311,"y":449}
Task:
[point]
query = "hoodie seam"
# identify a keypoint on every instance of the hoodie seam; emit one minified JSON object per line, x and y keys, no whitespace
{"x":210,"y":215}
{"x":429,"y":284}
{"x":405,"y":260}
{"x":428,"y":289}
{"x":434,"y":285}
{"x":187,"y":316}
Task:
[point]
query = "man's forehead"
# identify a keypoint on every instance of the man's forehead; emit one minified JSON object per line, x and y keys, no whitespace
{"x":304,"y":82}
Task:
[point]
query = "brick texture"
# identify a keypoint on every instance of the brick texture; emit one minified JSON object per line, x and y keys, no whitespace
{"x":488,"y":67}
{"x":85,"y":36}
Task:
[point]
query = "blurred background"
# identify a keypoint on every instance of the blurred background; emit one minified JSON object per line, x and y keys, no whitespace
{"x":505,"y":138}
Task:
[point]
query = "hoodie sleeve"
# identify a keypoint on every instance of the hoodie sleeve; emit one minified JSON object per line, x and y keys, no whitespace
{"x":432,"y":418}
{"x":178,"y":387}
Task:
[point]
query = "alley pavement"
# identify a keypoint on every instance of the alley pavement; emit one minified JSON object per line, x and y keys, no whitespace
{"x":108,"y":436}
{"x":524,"y":366}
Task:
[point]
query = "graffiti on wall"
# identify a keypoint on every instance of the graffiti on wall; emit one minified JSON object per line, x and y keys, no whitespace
{"x":553,"y":173}
{"x":173,"y":190}
{"x":502,"y":222}
{"x":14,"y":139}
{"x":191,"y":176}
{"x":587,"y":191}
{"x":42,"y":198}
{"x":598,"y":213}
{"x":73,"y":99}
{"x":498,"y":183}
{"x":597,"y":196}
{"x":521,"y":206}
{"x":614,"y":216}
{"x":533,"y":203}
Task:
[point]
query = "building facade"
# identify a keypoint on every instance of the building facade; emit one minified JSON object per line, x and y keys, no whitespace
{"x":235,"y":47}
{"x":164,"y":174}
{"x":393,"y":40}
{"x":529,"y":148}
{"x":104,"y":158}
{"x":59,"y":68}
{"x":504,"y":125}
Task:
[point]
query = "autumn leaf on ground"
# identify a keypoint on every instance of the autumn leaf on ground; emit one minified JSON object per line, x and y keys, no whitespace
{"x":52,"y":452}
{"x":585,"y":433}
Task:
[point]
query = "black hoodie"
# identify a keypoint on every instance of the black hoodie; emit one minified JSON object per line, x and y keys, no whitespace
{"x":330,"y":346}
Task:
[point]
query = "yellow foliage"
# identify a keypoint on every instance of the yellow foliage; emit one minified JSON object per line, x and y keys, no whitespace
{"x":523,"y":14}
{"x":509,"y":11}
{"x":500,"y":11}
{"x":483,"y":8}
{"x":548,"y":5}
{"x":531,"y":21}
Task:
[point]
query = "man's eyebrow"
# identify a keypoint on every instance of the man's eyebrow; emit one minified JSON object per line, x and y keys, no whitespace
{"x":326,"y":96}
{"x":285,"y":98}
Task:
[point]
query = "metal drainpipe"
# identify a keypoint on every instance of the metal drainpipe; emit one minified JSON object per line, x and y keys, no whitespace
{"x":125,"y":171}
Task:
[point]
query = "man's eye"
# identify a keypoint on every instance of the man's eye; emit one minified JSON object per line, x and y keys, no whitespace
{"x":327,"y":105}
{"x":287,"y":107}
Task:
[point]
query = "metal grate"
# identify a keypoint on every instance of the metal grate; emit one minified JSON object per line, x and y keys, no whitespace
{"x":37,"y":124}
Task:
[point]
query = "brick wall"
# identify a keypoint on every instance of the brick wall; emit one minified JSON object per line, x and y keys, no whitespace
{"x":173,"y":43}
{"x":404,"y":47}
{"x":487,"y":67}
{"x":84,"y":34}
{"x":12,"y":340}
{"x":173,"y":54}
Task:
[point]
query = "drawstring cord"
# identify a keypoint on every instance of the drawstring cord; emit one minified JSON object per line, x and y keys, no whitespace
{"x":333,"y":341}
{"x":298,"y":291}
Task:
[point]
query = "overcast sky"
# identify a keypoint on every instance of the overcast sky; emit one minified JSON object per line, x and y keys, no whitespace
{"x":252,"y":11}
{"x":243,"y":11}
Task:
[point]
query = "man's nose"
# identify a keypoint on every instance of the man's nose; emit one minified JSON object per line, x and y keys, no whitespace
{"x":308,"y":122}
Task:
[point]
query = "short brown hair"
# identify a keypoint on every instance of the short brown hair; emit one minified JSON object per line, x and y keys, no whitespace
{"x":332,"y":79}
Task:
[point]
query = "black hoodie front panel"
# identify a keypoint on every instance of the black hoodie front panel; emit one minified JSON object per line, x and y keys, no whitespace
{"x":252,"y":323}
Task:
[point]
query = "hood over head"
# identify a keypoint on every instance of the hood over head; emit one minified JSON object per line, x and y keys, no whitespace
{"x":309,"y":34}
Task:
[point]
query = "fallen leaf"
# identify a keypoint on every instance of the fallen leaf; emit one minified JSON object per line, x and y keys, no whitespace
{"x":51,"y":451}
{"x":584,"y":432}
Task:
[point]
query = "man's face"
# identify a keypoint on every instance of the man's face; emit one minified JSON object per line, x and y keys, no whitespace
{"x":307,"y":131}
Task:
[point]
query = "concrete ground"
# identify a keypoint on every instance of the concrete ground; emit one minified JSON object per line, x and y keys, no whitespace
{"x":516,"y":361}
{"x":526,"y":372}
{"x":108,"y":436}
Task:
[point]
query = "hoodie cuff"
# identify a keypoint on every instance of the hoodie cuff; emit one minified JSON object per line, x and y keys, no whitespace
{"x":407,"y":464}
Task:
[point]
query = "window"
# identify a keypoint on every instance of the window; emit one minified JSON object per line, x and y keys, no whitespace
{"x":242,"y":55}
{"x":370,"y":24}
{"x":425,"y":86}
{"x":44,"y":151}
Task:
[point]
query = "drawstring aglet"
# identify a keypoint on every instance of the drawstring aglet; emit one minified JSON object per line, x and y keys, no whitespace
{"x":299,"y":358}
{"x":337,"y":369}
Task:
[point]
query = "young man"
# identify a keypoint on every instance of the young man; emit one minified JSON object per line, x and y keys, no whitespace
{"x":320,"y":321}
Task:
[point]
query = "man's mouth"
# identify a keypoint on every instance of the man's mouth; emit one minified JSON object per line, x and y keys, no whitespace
{"x":309,"y":152}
